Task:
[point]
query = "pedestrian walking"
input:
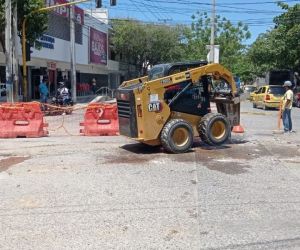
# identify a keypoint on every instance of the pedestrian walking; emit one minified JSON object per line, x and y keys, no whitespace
{"x":287,"y":107}
{"x":65,"y":80}
{"x":43,"y":89}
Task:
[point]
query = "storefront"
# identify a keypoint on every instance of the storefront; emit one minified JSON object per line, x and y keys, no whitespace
{"x":52,"y":61}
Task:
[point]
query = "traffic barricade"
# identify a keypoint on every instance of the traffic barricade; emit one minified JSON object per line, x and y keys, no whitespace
{"x":100,"y":119}
{"x":22,"y":120}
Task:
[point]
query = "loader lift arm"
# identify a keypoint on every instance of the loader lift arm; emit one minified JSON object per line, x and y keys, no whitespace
{"x":215,"y":70}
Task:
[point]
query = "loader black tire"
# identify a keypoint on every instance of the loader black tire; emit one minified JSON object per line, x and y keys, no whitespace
{"x":177,"y":136}
{"x":214,"y":129}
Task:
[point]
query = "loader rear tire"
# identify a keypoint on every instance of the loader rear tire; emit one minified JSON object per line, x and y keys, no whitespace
{"x":214,"y":129}
{"x":177,"y":136}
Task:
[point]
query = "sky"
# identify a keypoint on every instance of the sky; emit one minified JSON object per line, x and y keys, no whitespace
{"x":257,"y":14}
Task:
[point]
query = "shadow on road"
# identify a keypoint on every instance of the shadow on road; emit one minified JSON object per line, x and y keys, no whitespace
{"x":140,"y":148}
{"x":238,"y":141}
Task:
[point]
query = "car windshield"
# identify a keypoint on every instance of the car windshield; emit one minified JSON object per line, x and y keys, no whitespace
{"x":250,"y":88}
{"x":276,"y":90}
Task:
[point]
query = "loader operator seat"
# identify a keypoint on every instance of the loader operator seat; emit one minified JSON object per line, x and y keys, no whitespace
{"x":195,"y":100}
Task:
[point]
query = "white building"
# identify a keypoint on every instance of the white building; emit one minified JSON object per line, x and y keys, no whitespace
{"x":53,"y":60}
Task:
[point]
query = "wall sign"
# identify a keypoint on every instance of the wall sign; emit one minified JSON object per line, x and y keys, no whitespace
{"x":51,"y":65}
{"x":47,"y":41}
{"x":65,"y":10}
{"x":98,"y":47}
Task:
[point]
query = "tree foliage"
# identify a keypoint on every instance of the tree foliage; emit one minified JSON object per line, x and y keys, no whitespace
{"x":280,"y":47}
{"x":147,"y":44}
{"x":230,"y":37}
{"x":36,"y":23}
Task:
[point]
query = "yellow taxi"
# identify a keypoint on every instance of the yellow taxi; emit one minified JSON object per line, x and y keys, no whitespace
{"x":268,"y":96}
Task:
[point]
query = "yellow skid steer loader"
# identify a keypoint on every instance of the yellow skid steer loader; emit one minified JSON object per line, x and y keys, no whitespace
{"x":171,"y":106}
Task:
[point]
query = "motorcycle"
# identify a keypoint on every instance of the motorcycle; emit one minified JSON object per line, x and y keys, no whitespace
{"x":60,"y":105}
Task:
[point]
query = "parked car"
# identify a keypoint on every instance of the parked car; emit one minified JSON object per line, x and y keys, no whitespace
{"x":2,"y":89}
{"x":296,"y":101}
{"x":248,"y":89}
{"x":268,"y":96}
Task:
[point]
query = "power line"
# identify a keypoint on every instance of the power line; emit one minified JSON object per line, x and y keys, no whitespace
{"x":134,"y":2}
{"x":182,"y":2}
{"x":183,"y":11}
{"x":164,"y":19}
{"x":158,"y":11}
{"x":152,"y":12}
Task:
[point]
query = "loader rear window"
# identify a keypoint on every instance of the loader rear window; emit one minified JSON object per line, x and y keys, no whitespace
{"x":155,"y":73}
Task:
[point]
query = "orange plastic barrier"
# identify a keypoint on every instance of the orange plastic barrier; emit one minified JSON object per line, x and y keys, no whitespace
{"x":22,"y":120}
{"x":100,"y":119}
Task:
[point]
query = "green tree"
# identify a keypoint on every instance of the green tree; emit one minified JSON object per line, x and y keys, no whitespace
{"x":2,"y":23}
{"x":147,"y":44}
{"x":280,"y":47}
{"x":263,"y":55}
{"x":36,"y":23}
{"x":230,"y":37}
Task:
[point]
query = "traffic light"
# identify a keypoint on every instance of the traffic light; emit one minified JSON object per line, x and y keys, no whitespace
{"x":28,"y":52}
{"x":98,"y":3}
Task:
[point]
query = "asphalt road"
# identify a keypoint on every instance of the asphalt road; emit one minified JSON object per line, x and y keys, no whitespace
{"x":75,"y":192}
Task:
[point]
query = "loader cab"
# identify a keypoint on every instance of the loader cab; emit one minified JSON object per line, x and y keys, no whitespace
{"x":162,"y":70}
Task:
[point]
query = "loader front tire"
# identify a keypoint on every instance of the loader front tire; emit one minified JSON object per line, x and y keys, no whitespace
{"x":177,"y":136}
{"x":214,"y":129}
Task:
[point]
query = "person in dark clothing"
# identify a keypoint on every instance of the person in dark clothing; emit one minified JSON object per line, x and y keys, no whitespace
{"x":94,"y":85}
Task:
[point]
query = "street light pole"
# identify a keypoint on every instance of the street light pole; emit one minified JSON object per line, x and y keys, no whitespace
{"x":24,"y":59}
{"x":212,"y":35}
{"x":8,"y":51}
{"x":15,"y":54}
{"x":72,"y":53}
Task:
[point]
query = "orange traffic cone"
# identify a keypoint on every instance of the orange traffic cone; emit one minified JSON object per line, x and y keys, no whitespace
{"x":238,"y":129}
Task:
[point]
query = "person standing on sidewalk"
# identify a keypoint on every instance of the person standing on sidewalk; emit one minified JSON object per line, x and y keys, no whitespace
{"x":43,"y":91}
{"x":287,"y":107}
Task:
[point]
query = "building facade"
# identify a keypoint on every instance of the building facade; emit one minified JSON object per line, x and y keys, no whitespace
{"x":52,"y":61}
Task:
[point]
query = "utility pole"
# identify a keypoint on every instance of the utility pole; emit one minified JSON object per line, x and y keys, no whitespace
{"x":15,"y":55}
{"x":8,"y":51}
{"x":24,"y":37}
{"x":72,"y":50}
{"x":212,"y":36}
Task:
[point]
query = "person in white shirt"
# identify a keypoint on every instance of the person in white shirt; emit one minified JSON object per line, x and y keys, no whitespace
{"x":63,"y":92}
{"x":287,"y":107}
